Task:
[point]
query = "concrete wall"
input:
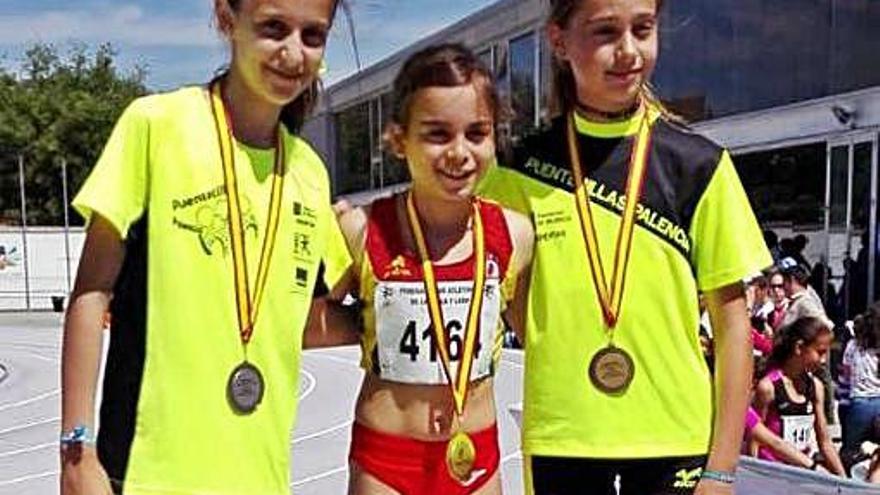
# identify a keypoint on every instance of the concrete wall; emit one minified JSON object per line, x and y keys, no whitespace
{"x":45,"y":263}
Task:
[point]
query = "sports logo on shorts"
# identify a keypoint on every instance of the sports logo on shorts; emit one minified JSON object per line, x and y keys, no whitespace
{"x":685,"y":478}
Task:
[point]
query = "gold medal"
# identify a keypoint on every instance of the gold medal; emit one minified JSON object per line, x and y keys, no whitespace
{"x":611,"y":370}
{"x":461,"y":454}
{"x":460,"y":451}
{"x":245,"y":386}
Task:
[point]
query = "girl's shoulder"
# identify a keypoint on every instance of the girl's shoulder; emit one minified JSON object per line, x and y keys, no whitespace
{"x":684,"y":145}
{"x":516,"y":221}
{"x":522,"y":233}
{"x":172,"y":103}
{"x":353,"y":224}
{"x":765,"y":390}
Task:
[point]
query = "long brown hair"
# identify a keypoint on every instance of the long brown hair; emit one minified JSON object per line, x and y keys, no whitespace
{"x":867,"y":328}
{"x":564,"y":94}
{"x":294,"y":114}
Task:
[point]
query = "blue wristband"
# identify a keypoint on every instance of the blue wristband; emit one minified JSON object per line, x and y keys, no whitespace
{"x":79,"y":435}
{"x":720,"y":476}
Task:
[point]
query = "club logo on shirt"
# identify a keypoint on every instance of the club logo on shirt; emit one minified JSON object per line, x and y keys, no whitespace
{"x":396,"y":268}
{"x":492,"y":268}
{"x":550,"y":225}
{"x":548,"y":171}
{"x":304,"y":214}
{"x":386,"y":295}
{"x":301,"y":276}
{"x":206,"y":215}
{"x":302,"y":245}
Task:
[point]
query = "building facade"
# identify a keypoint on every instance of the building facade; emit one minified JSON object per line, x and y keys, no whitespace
{"x":792,"y":87}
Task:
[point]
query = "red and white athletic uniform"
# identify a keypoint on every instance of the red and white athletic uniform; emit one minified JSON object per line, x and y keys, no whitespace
{"x":398,"y":344}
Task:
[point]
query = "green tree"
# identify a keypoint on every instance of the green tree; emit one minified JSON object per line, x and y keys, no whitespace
{"x":57,"y":107}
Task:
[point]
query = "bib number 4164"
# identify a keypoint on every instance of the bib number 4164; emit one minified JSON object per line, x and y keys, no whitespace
{"x":411,"y":339}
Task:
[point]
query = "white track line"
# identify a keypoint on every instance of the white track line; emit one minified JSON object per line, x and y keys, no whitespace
{"x":29,"y":425}
{"x":311,"y":386}
{"x":510,"y":457}
{"x":33,"y":354}
{"x":35,"y":398}
{"x":29,"y":477}
{"x":322,"y":432}
{"x":338,"y":359}
{"x":297,"y":483}
{"x":319,"y":476}
{"x":25,"y":450}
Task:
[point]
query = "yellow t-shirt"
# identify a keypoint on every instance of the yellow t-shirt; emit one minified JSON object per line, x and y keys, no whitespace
{"x":694,"y":230}
{"x":166,"y":426}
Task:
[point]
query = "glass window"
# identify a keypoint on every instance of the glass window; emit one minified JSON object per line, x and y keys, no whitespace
{"x":485,"y":57}
{"x":545,"y":76}
{"x":861,"y":185}
{"x":855,"y":45}
{"x":729,"y":56}
{"x":375,"y":144}
{"x":394,"y":169}
{"x":353,"y":141}
{"x":786,"y":185}
{"x":502,"y":79}
{"x":839,"y":179}
{"x":522,"y":82}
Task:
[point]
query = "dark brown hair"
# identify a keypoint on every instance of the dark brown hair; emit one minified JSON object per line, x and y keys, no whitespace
{"x":866,"y":327}
{"x":294,"y":114}
{"x":446,"y":65}
{"x":564,"y":94}
{"x":805,"y":330}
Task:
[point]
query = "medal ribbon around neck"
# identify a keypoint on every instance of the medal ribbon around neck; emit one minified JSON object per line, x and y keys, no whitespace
{"x":248,"y":308}
{"x":611,"y":297}
{"x":459,"y":386}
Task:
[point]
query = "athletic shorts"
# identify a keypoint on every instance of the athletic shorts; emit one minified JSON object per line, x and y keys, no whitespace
{"x":568,"y":475}
{"x":416,"y":467}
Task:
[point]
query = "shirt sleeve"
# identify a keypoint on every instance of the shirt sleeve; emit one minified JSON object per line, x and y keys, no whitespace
{"x":847,"y":358}
{"x":117,"y":186}
{"x":728,"y":245}
{"x":504,"y":186}
{"x":752,"y":419}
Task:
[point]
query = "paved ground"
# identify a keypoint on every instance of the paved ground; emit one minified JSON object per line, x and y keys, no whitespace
{"x":29,"y":416}
{"x":30,"y":409}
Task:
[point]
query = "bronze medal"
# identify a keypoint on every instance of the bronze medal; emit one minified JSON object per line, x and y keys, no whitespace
{"x":461,"y":454}
{"x":611,"y":370}
{"x":245,"y":387}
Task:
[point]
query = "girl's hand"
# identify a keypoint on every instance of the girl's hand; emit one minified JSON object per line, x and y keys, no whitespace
{"x":711,"y":487}
{"x":82,"y":474}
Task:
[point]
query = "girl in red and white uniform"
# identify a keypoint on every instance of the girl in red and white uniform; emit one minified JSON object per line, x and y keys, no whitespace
{"x":435,"y":256}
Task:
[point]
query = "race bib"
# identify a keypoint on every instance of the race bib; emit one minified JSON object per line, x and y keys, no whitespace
{"x":798,"y":431}
{"x":406,"y":344}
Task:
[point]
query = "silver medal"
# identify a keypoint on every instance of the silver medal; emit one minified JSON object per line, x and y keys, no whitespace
{"x":245,"y":388}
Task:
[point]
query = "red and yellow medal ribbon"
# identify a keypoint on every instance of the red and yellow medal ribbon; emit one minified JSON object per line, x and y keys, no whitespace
{"x":247,"y":307}
{"x":461,"y":381}
{"x":610,"y":297}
